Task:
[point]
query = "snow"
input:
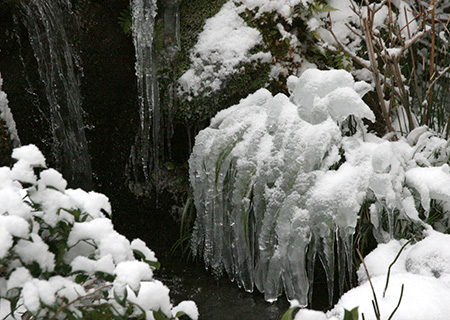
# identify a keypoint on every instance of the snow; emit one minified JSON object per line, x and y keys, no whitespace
{"x":152,"y":295}
{"x":35,"y":250}
{"x":187,"y":307}
{"x":104,"y":264}
{"x":268,"y":159}
{"x":18,"y":278}
{"x":423,"y":298}
{"x":431,"y":183}
{"x":52,"y":178}
{"x":139,"y":245}
{"x":6,"y":241}
{"x":35,"y":291}
{"x":423,"y":269}
{"x":96,"y":230}
{"x":131,"y":273}
{"x":15,"y":225}
{"x":431,"y":257}
{"x":106,"y":239}
{"x":305,"y":314}
{"x":224,"y":43}
{"x":29,"y":154}
{"x":29,"y":217}
{"x":334,"y":93}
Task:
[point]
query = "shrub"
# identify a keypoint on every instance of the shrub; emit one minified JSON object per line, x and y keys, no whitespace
{"x":60,"y":257}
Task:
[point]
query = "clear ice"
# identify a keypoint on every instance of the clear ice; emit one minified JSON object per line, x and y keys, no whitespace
{"x":145,"y":153}
{"x":269,"y":202}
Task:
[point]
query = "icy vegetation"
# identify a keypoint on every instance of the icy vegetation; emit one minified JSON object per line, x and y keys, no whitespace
{"x":61,"y":258}
{"x":279,"y":181}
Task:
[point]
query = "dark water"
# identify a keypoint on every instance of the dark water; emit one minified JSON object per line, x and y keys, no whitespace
{"x":215,"y":298}
{"x":189,"y":280}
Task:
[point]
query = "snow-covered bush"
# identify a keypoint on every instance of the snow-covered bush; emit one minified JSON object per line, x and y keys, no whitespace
{"x":60,"y":257}
{"x":223,"y":45}
{"x":417,"y":285}
{"x":280,"y":181}
{"x":401,"y":47}
{"x":267,"y":202}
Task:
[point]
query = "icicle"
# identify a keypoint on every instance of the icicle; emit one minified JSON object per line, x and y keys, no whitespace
{"x":153,"y":141}
{"x":57,"y":66}
{"x":146,"y":153}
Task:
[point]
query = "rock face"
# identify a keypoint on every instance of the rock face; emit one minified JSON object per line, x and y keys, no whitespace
{"x":109,"y":96}
{"x":5,"y":145}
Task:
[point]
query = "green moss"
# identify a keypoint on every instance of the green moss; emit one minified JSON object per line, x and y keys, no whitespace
{"x":238,"y":86}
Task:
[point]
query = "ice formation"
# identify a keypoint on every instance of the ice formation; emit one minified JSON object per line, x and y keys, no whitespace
{"x":6,"y":115}
{"x":267,"y":202}
{"x":278,"y":184}
{"x":145,"y":153}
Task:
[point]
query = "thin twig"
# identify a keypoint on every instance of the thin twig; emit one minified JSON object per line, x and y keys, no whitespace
{"x":376,"y":75}
{"x":64,"y":307}
{"x":398,"y":304}
{"x":392,"y":263}
{"x":344,"y":49}
{"x":433,"y":44}
{"x":375,"y":302}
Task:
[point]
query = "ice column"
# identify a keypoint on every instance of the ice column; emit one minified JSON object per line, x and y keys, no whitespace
{"x":145,"y":153}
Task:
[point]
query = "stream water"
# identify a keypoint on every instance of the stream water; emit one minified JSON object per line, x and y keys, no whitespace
{"x":59,"y":69}
{"x":215,"y":298}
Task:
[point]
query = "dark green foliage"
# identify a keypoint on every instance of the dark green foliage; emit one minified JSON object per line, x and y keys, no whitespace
{"x":352,"y":314}
{"x":289,"y":313}
{"x":125,"y":21}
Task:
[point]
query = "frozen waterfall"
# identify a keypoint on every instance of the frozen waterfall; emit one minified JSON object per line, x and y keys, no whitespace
{"x":145,"y":153}
{"x":58,"y":66}
{"x":270,"y":192}
{"x":153,"y":141}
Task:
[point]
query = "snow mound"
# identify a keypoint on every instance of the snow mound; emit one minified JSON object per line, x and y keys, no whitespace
{"x":422,"y":269}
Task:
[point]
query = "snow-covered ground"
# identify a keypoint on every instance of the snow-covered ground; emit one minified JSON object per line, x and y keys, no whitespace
{"x":418,"y":285}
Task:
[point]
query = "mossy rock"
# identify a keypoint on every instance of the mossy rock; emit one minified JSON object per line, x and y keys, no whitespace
{"x":239,"y":85}
{"x":193,"y":15}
